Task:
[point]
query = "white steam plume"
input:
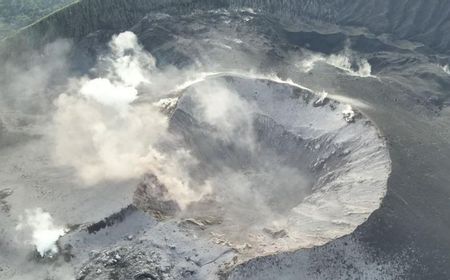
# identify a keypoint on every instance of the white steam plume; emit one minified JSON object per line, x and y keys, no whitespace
{"x":344,"y":61}
{"x":104,"y":131}
{"x":103,"y":136}
{"x":445,"y":68}
{"x":40,"y":231}
{"x":223,"y":109}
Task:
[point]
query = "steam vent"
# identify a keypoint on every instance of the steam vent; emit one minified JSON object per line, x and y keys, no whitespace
{"x":225,"y":140}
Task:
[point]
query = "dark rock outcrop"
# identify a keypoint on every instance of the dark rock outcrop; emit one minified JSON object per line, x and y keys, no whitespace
{"x":151,"y":196}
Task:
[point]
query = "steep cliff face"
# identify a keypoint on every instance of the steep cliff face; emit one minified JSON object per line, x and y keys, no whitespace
{"x":414,"y":20}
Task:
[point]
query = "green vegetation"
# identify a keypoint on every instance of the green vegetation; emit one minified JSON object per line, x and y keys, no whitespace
{"x":15,"y":14}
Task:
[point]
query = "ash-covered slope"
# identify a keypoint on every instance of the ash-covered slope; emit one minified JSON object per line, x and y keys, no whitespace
{"x":414,"y":20}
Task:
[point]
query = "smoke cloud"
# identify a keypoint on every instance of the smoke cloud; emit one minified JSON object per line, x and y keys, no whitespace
{"x":223,"y":109}
{"x":344,"y":61}
{"x":103,"y":136}
{"x":116,"y":127}
{"x":445,"y":68}
{"x":39,"y":230}
{"x":29,"y":83}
